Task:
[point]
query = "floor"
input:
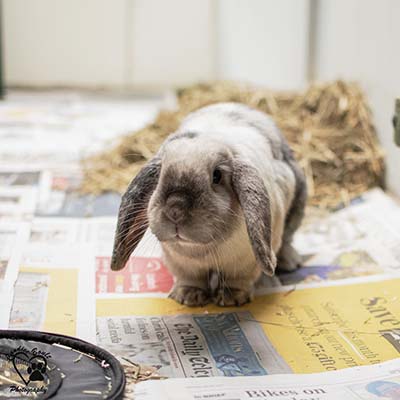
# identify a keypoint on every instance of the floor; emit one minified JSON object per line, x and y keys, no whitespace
{"x":55,"y":246}
{"x":43,"y":136}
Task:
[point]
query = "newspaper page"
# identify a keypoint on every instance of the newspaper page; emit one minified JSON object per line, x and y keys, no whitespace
{"x":57,"y":231}
{"x":364,"y":225}
{"x":374,"y":382}
{"x":62,"y":127}
{"x":198,"y":345}
{"x":17,"y":203}
{"x":65,"y":180}
{"x":22,"y":176}
{"x":144,"y":272}
{"x":304,"y":330}
{"x":361,"y":258}
{"x":100,"y":232}
{"x":13,"y":237}
{"x":55,"y":287}
{"x":356,"y":241}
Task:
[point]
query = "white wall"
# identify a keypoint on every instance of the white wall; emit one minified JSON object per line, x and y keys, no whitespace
{"x":359,"y":40}
{"x":153,"y":44}
{"x":172,"y":42}
{"x":56,"y":42}
{"x":112,"y":43}
{"x":264,"y":41}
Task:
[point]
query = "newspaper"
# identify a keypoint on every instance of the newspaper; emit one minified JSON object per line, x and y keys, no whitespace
{"x":373,"y":223}
{"x":198,"y":345}
{"x":363,"y":257}
{"x":21,"y":176}
{"x":56,"y":283}
{"x":144,"y":272}
{"x":64,"y":126}
{"x":55,"y":291}
{"x":309,"y":330}
{"x":374,"y":382}
{"x":64,"y":273}
{"x":100,"y":232}
{"x":57,"y":231}
{"x":340,"y":311}
{"x":299,"y":322}
{"x":141,"y":275}
{"x":65,"y":180}
{"x":13,"y":237}
{"x":30,"y":300}
{"x":17,"y":203}
{"x":69,"y":277}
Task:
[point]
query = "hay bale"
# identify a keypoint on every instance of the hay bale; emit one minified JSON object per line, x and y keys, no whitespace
{"x":329,"y":127}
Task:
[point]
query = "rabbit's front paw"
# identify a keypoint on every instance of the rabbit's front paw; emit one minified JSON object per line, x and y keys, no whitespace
{"x":288,"y":258}
{"x":227,"y":297}
{"x":190,"y":296}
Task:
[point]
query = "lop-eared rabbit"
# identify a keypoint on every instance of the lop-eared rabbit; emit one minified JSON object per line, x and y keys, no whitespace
{"x":224,"y":196}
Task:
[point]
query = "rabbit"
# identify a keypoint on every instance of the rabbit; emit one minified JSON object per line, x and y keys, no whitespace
{"x":224,"y":196}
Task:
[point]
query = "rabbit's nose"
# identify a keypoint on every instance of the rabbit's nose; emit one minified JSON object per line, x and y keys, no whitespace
{"x":175,"y":209}
{"x":175,"y":214}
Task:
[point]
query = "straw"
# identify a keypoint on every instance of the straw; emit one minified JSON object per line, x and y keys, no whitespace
{"x":329,"y":127}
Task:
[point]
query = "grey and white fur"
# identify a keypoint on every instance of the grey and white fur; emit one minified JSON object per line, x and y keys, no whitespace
{"x":224,"y":196}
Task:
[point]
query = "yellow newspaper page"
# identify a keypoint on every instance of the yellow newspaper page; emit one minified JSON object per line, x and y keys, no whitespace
{"x":54,"y":291}
{"x":311,"y":330}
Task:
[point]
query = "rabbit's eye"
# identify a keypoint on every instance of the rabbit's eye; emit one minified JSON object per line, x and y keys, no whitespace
{"x":217,"y":175}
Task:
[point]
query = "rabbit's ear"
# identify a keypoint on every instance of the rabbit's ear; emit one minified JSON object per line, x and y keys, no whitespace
{"x":255,"y":202}
{"x":132,"y":217}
